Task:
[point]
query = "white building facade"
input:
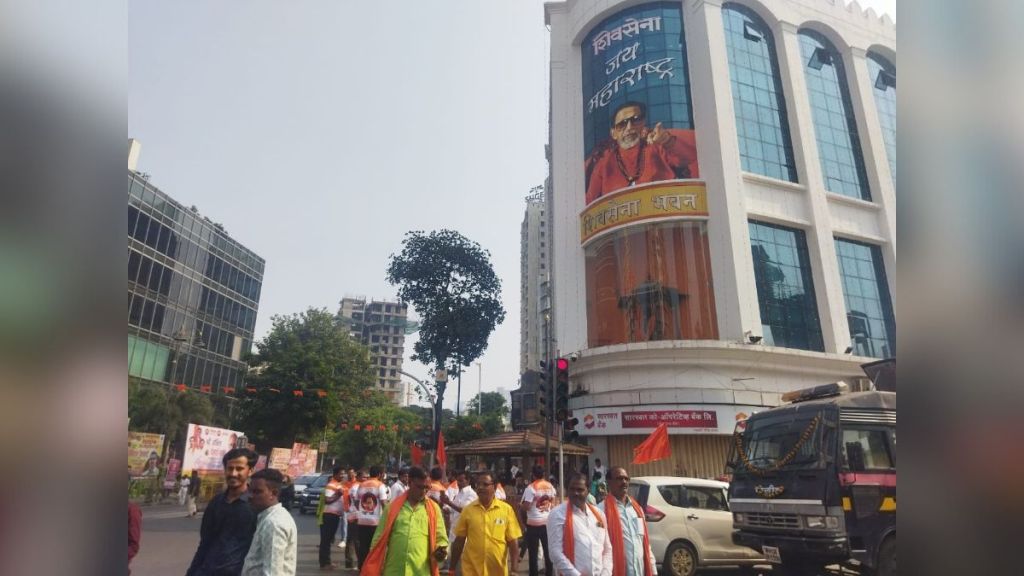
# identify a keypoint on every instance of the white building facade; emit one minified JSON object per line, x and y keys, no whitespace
{"x":723,"y":216}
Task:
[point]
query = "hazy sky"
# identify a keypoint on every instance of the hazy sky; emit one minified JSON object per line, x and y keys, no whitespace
{"x":319,"y":132}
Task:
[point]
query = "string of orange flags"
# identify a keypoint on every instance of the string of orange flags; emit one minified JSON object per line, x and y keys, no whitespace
{"x":380,"y":427}
{"x":230,"y":390}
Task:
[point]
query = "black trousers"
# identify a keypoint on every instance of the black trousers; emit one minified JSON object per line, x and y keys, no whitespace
{"x":327,"y":530}
{"x":538,"y":535}
{"x":365,"y":538}
{"x":351,"y":545}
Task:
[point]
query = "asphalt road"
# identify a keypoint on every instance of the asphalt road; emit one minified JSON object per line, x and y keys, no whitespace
{"x":169,"y":538}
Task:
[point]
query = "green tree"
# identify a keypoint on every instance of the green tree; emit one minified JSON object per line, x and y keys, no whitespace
{"x":157,"y":409}
{"x":454,"y":289}
{"x":363,"y":448}
{"x":310,"y":375}
{"x":492,"y":403}
{"x":471,"y":427}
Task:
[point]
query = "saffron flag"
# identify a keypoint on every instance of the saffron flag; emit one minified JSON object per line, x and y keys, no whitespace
{"x":442,"y":457}
{"x":655,"y":447}
{"x":416,"y":455}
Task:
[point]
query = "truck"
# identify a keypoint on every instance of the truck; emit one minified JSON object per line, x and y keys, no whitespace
{"x":814,"y":479}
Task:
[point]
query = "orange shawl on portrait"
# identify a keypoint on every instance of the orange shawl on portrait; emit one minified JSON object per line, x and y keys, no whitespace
{"x":374,"y":564}
{"x":568,"y":541}
{"x":611,"y":510}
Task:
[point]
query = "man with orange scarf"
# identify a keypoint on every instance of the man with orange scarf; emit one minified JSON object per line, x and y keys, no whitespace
{"x":399,"y":546}
{"x":578,"y":535}
{"x":627,"y":528}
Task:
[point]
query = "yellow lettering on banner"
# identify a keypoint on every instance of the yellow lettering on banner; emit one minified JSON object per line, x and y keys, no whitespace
{"x":657,"y":201}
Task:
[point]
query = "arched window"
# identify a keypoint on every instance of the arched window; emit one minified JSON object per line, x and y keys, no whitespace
{"x":762,"y":126}
{"x":835,"y":128}
{"x":883,"y":78}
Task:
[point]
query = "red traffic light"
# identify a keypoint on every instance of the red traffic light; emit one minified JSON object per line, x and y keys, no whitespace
{"x":562,"y":363}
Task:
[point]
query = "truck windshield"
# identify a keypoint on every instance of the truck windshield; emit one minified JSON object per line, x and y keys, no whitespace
{"x":786,"y":441}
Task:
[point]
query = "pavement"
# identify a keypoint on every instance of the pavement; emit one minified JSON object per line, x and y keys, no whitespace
{"x":170,"y":537}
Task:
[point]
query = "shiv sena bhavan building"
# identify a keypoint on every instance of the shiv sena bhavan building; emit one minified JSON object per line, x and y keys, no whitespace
{"x":723,"y":211}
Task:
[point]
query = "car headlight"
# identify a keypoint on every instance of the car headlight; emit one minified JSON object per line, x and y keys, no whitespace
{"x":739,"y":517}
{"x":821,"y":522}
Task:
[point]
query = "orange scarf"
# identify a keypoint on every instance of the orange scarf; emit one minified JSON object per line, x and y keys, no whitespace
{"x":611,"y":510}
{"x":374,"y":564}
{"x":568,"y":541}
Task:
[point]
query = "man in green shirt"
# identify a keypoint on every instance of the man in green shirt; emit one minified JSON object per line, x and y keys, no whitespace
{"x":408,"y":540}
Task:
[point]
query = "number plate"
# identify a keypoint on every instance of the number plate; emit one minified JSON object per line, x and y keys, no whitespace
{"x":771,"y":554}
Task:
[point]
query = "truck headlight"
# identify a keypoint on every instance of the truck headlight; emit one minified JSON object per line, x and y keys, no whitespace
{"x":739,"y":518}
{"x":821,"y":522}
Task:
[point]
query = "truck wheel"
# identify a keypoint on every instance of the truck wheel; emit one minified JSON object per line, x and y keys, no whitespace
{"x":887,"y":557}
{"x":681,"y":559}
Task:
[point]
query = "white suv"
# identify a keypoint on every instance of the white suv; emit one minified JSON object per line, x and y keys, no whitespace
{"x":689,"y":524}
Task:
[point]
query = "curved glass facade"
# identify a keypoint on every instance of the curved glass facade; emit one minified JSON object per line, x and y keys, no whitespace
{"x":883,"y":78}
{"x":762,"y":125}
{"x":650,"y":282}
{"x":835,"y":127}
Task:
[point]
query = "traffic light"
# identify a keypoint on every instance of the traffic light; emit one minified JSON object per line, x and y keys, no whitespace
{"x":569,"y":433}
{"x":542,"y":390}
{"x":562,"y":389}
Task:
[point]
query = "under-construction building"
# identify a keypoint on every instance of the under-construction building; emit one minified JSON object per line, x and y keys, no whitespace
{"x":382,"y":327}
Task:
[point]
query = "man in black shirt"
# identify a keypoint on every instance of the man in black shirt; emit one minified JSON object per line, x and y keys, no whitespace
{"x":228,"y":522}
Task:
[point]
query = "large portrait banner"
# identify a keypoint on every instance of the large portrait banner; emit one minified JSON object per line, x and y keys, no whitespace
{"x":638,"y":120}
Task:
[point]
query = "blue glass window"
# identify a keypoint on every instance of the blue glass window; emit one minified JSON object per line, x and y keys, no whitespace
{"x":842,"y":162}
{"x":883,"y":78}
{"x":785,"y":289}
{"x":868,"y":305}
{"x":762,"y":126}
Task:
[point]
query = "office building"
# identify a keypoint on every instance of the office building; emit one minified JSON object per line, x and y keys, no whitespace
{"x":723,"y":211}
{"x":193,"y":293}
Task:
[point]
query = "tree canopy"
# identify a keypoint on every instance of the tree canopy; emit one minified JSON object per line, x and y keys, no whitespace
{"x":309,"y":375}
{"x":450,"y":282}
{"x":488,"y":403}
{"x":157,"y":409}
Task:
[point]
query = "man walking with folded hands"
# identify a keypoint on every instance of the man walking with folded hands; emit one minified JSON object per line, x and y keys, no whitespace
{"x":578,"y":535}
{"x":627,"y":528}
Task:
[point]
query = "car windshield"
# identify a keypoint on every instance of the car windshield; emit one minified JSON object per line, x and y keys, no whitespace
{"x":321,"y":481}
{"x":788,"y":441}
{"x":305,"y":480}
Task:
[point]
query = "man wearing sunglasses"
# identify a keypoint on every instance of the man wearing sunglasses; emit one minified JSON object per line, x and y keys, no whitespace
{"x":637,"y":154}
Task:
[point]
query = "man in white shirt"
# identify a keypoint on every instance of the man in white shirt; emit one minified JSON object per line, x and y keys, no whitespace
{"x":538,"y":500}
{"x":371,"y":496}
{"x":274,"y":546}
{"x":599,"y":470}
{"x":400,"y":485}
{"x":578,"y":535}
{"x":627,"y":527}
{"x":464,"y":496}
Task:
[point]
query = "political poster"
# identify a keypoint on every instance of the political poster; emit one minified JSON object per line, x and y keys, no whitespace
{"x":144,"y":453}
{"x":205,"y":446}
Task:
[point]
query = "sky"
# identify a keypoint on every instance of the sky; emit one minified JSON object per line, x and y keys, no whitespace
{"x":320,"y":132}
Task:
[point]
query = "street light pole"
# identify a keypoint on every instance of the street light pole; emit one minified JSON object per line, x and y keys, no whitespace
{"x":479,"y":388}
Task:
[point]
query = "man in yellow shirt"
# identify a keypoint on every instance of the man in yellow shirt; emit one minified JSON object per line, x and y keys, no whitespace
{"x":488,"y":532}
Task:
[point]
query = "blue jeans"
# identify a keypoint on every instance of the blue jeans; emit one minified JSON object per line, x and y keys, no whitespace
{"x":342,"y":530}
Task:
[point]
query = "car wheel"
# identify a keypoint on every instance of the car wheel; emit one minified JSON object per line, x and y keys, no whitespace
{"x":681,"y":559}
{"x":887,"y":557}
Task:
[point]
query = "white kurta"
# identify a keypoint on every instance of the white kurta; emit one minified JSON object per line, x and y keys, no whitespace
{"x":591,"y":545}
{"x":274,"y":546}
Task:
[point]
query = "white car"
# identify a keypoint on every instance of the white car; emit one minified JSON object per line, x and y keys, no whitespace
{"x":689,"y":524}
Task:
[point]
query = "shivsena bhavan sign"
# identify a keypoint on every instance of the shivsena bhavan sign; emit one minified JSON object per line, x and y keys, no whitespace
{"x":659,"y":200}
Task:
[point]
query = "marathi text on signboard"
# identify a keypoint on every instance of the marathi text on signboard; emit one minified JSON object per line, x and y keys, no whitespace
{"x":674,"y":419}
{"x":144,"y":453}
{"x":205,"y":446}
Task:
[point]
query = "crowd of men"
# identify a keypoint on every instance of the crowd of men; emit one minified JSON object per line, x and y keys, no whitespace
{"x":407,"y":528}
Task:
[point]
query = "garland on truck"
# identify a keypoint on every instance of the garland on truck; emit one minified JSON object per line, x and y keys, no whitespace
{"x":804,"y":437}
